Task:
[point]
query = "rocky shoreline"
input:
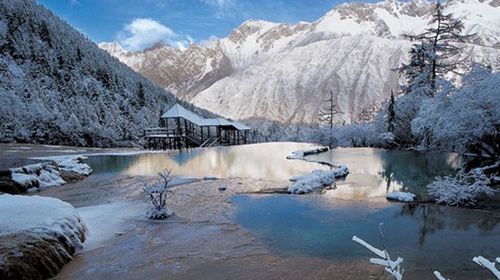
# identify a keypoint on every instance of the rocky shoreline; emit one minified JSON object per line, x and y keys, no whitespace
{"x":50,"y":173}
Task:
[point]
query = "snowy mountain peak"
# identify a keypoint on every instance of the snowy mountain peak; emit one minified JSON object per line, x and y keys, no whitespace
{"x":281,"y":71}
{"x":156,"y":46}
{"x":112,"y":47}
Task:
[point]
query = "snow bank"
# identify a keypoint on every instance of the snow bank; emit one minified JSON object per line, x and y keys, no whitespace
{"x":302,"y":153}
{"x":401,"y":196}
{"x":38,"y":235}
{"x":316,"y":179}
{"x":37,"y":175}
{"x":74,"y":164}
{"x":48,"y":174}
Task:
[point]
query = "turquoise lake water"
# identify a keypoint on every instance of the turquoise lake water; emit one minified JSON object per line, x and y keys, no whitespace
{"x":322,"y":224}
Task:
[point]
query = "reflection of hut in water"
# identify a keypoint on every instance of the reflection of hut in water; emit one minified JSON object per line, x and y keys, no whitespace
{"x":185,"y":129}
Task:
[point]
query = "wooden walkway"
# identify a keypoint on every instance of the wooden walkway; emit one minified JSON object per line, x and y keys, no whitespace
{"x":163,"y":139}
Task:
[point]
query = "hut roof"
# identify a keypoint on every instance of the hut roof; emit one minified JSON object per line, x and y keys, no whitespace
{"x":240,"y":126}
{"x":177,"y":111}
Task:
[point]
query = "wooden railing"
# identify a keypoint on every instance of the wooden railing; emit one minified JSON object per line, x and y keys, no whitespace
{"x":193,"y":136}
{"x":148,"y":132}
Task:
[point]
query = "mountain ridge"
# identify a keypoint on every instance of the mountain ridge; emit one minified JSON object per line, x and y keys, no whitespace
{"x":248,"y":57}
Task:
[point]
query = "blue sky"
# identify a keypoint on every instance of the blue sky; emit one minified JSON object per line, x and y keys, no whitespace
{"x":137,"y":23}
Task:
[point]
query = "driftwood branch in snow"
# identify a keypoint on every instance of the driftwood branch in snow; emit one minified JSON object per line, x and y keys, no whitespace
{"x":482,"y":261}
{"x":439,"y":276}
{"x":393,"y":267}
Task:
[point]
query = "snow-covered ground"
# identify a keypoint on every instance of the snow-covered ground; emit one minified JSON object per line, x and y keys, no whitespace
{"x":37,"y":235}
{"x":316,"y":179}
{"x":105,"y":221}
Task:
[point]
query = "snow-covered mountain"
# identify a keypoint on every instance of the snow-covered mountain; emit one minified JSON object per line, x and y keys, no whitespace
{"x":179,"y":71}
{"x":58,"y":87}
{"x":283,"y":71}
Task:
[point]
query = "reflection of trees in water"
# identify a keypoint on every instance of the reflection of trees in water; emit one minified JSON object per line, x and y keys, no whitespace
{"x":413,"y":170}
{"x":110,"y":163}
{"x":433,"y":218}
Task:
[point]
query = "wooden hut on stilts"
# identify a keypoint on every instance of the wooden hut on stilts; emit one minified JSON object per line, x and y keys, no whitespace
{"x":182,"y":128}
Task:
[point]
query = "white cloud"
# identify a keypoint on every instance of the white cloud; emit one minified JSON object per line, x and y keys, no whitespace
{"x":220,"y":5}
{"x":143,"y":32}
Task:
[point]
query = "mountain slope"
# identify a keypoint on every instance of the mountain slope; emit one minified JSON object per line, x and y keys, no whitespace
{"x":282,"y":72}
{"x":58,"y":87}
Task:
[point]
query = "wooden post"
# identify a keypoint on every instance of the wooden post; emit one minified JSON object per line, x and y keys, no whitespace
{"x":178,"y":120}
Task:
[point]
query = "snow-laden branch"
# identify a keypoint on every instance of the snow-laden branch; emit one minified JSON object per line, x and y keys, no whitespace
{"x":392,"y":267}
{"x":485,"y":263}
{"x":365,"y":244}
{"x":439,"y":276}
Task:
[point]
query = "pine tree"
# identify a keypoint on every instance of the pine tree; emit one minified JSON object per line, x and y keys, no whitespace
{"x":141,"y":95}
{"x":438,"y":51}
{"x":79,"y":55}
{"x":418,"y":72}
{"x":329,"y":111}
{"x":391,"y":114}
{"x":327,"y":115}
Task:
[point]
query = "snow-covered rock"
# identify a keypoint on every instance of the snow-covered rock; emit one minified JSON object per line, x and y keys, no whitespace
{"x":316,"y":179}
{"x":45,"y":174}
{"x":401,"y":196}
{"x":38,"y":235}
{"x":38,"y":175}
{"x":74,"y":164}
{"x":48,"y":174}
{"x":302,"y":153}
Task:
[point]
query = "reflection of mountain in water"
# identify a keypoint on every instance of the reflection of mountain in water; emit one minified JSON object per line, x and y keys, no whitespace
{"x":373,"y":172}
{"x":259,"y":161}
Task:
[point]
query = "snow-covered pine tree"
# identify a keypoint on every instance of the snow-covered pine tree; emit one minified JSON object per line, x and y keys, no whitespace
{"x":418,"y":72}
{"x":391,"y":114}
{"x":440,"y":48}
